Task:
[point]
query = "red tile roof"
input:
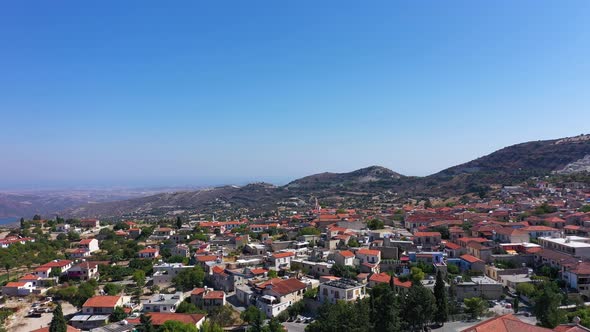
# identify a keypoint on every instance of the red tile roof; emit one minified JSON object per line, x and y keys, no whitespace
{"x":506,"y":323}
{"x":16,"y":284}
{"x":369,"y":252}
{"x":214,"y":295}
{"x":470,"y":258}
{"x":422,"y":234}
{"x":346,"y":253}
{"x":287,"y":286}
{"x":206,"y":258}
{"x":283,"y":254}
{"x":102,"y":301}
{"x":380,"y":277}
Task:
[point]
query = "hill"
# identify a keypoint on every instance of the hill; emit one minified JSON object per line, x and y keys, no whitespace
{"x":508,"y":166}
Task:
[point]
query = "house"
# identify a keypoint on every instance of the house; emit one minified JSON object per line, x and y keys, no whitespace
{"x":31,"y":278}
{"x":541,"y":231}
{"x":279,"y":294}
{"x":384,"y":278}
{"x":342,"y":289}
{"x":471,"y":263}
{"x":134,"y":233}
{"x":163,"y":302}
{"x":220,"y":279}
{"x":505,"y":323}
{"x":90,"y":223}
{"x":480,"y":251}
{"x":511,"y":235}
{"x":62,"y":228}
{"x":484,"y":287}
{"x":344,"y":257}
{"x":165,"y":272}
{"x":90,"y":245}
{"x":578,"y":277}
{"x":162,"y":234}
{"x":101,"y":305}
{"x":149,"y":253}
{"x":453,"y":250}
{"x":18,"y":288}
{"x":181,"y":250}
{"x":7,"y":242}
{"x":57,"y":267}
{"x":281,"y":260}
{"x":207,"y":298}
{"x":159,"y":318}
{"x":369,"y":256}
{"x":572,"y":245}
{"x":427,"y":240}
{"x":84,"y":271}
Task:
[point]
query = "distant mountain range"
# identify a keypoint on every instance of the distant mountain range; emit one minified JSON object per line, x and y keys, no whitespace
{"x":510,"y":165}
{"x":507,"y":166}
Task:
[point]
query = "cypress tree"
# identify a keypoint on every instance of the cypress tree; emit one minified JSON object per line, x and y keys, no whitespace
{"x":58,"y":322}
{"x":442,"y":313}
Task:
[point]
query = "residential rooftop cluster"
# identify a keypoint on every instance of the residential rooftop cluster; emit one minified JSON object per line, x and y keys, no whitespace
{"x":193,"y":270}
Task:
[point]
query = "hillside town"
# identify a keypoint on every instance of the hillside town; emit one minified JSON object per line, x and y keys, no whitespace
{"x":516,"y":258}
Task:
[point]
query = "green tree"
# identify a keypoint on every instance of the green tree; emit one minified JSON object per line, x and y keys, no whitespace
{"x":375,"y":224}
{"x":176,"y":326}
{"x":418,"y":307}
{"x":58,"y":322}
{"x":187,"y":308}
{"x":342,"y":316}
{"x":145,"y":324}
{"x":526,"y":289}
{"x":139,"y":278}
{"x":210,"y":327}
{"x":73,"y":236}
{"x":251,"y":313}
{"x":112,"y":289}
{"x":384,"y":309}
{"x":515,"y":304}
{"x":440,"y":294}
{"x":178,"y":222}
{"x":118,"y":314}
{"x":546,"y":306}
{"x":188,"y":279}
{"x":274,"y":326}
{"x":272,"y":274}
{"x":417,"y":274}
{"x":476,"y":306}
{"x":353,"y":243}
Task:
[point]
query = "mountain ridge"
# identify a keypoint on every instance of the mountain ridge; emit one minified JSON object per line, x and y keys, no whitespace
{"x":509,"y":165}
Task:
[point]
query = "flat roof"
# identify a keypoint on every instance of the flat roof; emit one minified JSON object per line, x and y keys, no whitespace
{"x":570,"y":241}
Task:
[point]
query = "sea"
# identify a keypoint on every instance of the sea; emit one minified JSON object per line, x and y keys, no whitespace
{"x":9,"y":220}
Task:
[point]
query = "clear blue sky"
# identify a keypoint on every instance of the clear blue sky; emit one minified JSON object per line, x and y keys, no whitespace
{"x":195,"y":92}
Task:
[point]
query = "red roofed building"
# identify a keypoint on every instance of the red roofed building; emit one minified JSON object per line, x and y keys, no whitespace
{"x":344,"y":257}
{"x":149,"y":253}
{"x":368,"y":256}
{"x":279,"y":294}
{"x":207,"y":298}
{"x":471,"y":263}
{"x":281,"y":260}
{"x":427,"y":240}
{"x":18,"y":288}
{"x":101,"y":305}
{"x":506,"y":323}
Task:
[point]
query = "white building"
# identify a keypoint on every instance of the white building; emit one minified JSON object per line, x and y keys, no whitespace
{"x":576,"y":246}
{"x":343,"y":289}
{"x":163,"y":302}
